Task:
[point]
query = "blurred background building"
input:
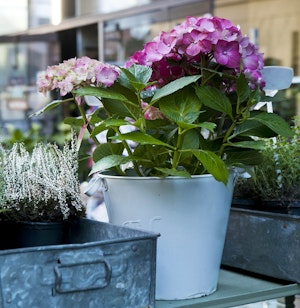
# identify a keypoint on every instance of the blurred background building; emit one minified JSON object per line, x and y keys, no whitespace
{"x":38,"y":33}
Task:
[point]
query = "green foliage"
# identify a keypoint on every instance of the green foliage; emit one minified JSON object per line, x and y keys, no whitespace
{"x":196,"y":128}
{"x":277,"y":178}
{"x":28,"y":138}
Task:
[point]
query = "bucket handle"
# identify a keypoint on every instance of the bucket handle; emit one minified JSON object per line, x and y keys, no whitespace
{"x":95,"y":184}
{"x":104,"y":185}
{"x":240,"y":173}
{"x":91,"y":283}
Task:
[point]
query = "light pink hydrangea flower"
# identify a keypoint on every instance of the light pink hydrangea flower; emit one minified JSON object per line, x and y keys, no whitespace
{"x":75,"y":73}
{"x":151,"y":113}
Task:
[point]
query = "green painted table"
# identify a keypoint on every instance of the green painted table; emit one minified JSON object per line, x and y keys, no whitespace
{"x":236,"y":289}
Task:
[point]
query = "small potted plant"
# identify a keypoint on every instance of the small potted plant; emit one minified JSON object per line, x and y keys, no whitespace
{"x":275,"y":184}
{"x":40,"y":190}
{"x":264,"y":225}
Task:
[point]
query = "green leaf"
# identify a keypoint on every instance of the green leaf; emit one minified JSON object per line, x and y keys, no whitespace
{"x":106,"y":149}
{"x":174,"y":86}
{"x":114,"y":160}
{"x":141,"y":138}
{"x":109,"y":124}
{"x":100,"y":92}
{"x":98,"y":129}
{"x":254,"y":97}
{"x":135,"y":77}
{"x":242,"y":88}
{"x":97,"y":116}
{"x":190,"y":140}
{"x":50,"y":106}
{"x":139,"y":73}
{"x":207,"y":125}
{"x":121,"y":109}
{"x":74,"y":121}
{"x":243,"y":157}
{"x":108,"y":162}
{"x":115,"y":122}
{"x":274,"y":122}
{"x":254,"y":144}
{"x":252,"y":128}
{"x":174,"y":172}
{"x":213,"y":164}
{"x":183,"y":107}
{"x":214,"y":99}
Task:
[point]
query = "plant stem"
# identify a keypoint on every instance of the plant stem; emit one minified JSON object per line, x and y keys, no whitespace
{"x":224,"y":142}
{"x":86,"y":124}
{"x":176,"y":156}
{"x":129,"y":152}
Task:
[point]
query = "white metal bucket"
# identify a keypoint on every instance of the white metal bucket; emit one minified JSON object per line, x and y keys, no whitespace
{"x":190,"y":214}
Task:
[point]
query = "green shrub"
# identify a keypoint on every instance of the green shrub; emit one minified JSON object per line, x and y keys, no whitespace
{"x":278,"y":175}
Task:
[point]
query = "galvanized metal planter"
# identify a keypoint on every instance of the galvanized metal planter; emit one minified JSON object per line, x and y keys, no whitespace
{"x":265,"y":243}
{"x":101,"y":266}
{"x":190,"y":214}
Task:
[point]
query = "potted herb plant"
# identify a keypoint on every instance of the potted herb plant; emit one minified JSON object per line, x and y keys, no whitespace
{"x":40,"y":192}
{"x":275,"y":184}
{"x":263,"y":231}
{"x":180,"y":114}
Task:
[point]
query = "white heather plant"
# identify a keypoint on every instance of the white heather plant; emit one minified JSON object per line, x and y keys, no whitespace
{"x":42,"y":185}
{"x":1,"y":181}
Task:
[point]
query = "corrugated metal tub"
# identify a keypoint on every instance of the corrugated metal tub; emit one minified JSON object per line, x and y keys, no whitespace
{"x":102,"y":265}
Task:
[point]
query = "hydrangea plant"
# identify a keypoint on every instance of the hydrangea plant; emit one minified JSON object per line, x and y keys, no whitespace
{"x":187,"y":98}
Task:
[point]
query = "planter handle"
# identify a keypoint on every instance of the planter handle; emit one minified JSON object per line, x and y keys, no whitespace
{"x":72,"y":270}
{"x":104,"y":186}
{"x":95,"y":184}
{"x":240,"y":173}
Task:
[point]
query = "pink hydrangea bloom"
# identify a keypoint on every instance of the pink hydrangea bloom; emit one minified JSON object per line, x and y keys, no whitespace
{"x":75,"y":73}
{"x":151,"y":113}
{"x":203,"y":42}
{"x":227,"y":53}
